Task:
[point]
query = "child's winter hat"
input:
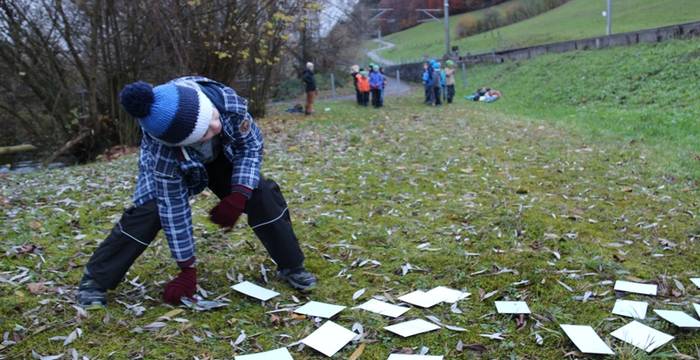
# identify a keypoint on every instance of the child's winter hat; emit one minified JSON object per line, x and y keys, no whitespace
{"x":176,"y":115}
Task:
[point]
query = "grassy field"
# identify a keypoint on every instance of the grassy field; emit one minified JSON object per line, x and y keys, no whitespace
{"x":581,"y":175}
{"x":574,"y":20}
{"x":642,"y":94}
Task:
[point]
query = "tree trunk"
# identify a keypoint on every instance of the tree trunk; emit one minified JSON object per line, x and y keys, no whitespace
{"x":4,"y":150}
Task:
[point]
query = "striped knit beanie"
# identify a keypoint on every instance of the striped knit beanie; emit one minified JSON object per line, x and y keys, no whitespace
{"x":174,"y":114}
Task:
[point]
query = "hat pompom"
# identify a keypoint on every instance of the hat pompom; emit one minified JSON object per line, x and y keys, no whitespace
{"x":137,"y":98}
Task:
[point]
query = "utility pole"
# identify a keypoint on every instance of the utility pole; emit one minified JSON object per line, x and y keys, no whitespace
{"x":446,"y":11}
{"x":447,"y":25}
{"x":609,"y":18}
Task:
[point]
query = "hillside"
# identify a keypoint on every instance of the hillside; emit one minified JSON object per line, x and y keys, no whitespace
{"x":640,"y":94}
{"x":574,"y":20}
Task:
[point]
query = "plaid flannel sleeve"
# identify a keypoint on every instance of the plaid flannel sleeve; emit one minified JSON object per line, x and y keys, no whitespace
{"x":160,"y":179}
{"x":175,"y":215}
{"x":246,"y":153}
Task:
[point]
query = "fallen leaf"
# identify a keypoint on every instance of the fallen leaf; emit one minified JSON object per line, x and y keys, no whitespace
{"x":356,"y":354}
{"x":358,"y":293}
{"x":36,"y":288}
{"x":72,"y":336}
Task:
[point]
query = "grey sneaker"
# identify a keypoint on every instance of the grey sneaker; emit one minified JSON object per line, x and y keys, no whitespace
{"x":90,"y":293}
{"x":298,"y":278}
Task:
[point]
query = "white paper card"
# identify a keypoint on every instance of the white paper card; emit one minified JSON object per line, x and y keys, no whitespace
{"x":637,"y":288}
{"x":447,"y":295}
{"x":420,"y":298}
{"x":329,"y":338}
{"x":255,"y":291}
{"x":383,"y":308}
{"x":414,"y":357}
{"x":324,"y":310}
{"x":586,"y":339}
{"x":678,"y":318}
{"x":697,"y":309}
{"x":512,"y":307}
{"x":279,"y":354}
{"x":642,"y":336}
{"x":629,"y":308}
{"x":413,"y":327}
{"x":696,"y":281}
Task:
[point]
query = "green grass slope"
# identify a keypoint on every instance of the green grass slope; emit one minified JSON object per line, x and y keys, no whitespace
{"x":644,"y":93}
{"x":574,"y":20}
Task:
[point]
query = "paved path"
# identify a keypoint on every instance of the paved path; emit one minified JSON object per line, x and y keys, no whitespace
{"x":376,"y":57}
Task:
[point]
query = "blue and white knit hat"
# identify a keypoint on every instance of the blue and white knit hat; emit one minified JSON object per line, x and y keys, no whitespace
{"x":174,"y":114}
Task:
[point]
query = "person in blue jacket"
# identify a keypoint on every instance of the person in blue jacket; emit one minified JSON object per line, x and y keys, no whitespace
{"x":437,"y":83}
{"x":428,"y":82}
{"x":376,"y":82}
{"x":197,"y":133}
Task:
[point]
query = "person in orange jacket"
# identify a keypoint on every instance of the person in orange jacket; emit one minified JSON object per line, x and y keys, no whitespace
{"x":363,"y":86}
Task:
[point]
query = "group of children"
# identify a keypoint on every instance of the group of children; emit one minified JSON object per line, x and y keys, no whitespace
{"x":439,"y":83}
{"x":369,"y":82}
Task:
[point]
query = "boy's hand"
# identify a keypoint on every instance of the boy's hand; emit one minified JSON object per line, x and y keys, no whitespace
{"x":185,"y":284}
{"x":229,"y":209}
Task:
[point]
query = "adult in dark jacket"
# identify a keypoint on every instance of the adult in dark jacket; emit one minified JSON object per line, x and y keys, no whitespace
{"x":310,"y":86}
{"x":355,"y":69}
{"x":197,"y":133}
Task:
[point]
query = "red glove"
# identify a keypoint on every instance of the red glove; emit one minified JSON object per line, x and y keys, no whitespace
{"x":185,"y":284}
{"x":230,"y":208}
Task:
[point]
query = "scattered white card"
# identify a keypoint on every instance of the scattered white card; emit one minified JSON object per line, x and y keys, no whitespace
{"x":414,"y":357}
{"x":642,"y":336}
{"x":329,"y":338}
{"x":447,"y":295}
{"x":512,"y":307}
{"x":629,"y":308}
{"x":696,"y":281}
{"x":637,"y":288}
{"x":697,"y":309}
{"x":279,"y":354}
{"x":420,"y":298}
{"x":586,"y":339}
{"x":412,"y":327}
{"x":678,"y":318}
{"x":255,"y":291}
{"x":383,"y":308}
{"x":319,"y":309}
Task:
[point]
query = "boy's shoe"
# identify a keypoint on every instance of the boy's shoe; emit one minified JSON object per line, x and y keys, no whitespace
{"x":298,"y":278}
{"x":90,"y":293}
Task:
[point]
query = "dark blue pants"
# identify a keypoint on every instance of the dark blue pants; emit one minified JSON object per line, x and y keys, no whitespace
{"x":267,"y":212}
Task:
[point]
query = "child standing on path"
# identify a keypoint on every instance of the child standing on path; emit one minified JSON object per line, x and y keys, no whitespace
{"x":450,"y":80}
{"x":197,"y":133}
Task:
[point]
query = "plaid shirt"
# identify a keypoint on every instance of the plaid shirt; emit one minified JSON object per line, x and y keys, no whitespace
{"x":170,"y":175}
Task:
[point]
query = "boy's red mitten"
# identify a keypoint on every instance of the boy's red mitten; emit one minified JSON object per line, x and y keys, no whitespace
{"x":230,"y":208}
{"x":185,"y":284}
